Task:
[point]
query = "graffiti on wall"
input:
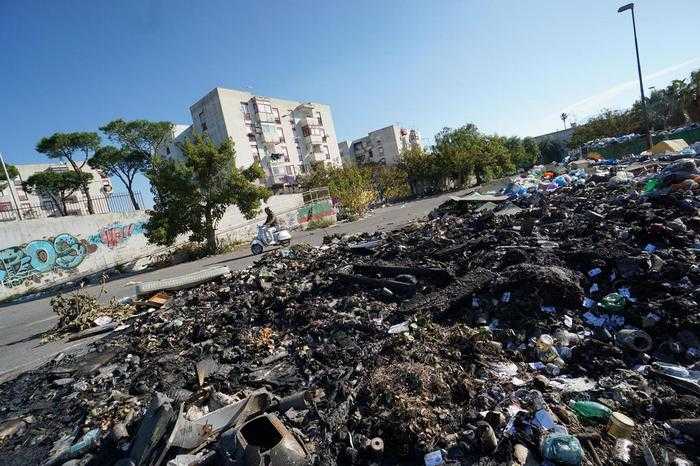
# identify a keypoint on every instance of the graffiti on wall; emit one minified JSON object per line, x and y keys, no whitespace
{"x":116,"y":233}
{"x":315,"y":211}
{"x":21,"y":263}
{"x":62,"y":253}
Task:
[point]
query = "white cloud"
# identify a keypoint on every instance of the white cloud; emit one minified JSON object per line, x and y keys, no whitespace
{"x":592,"y":104}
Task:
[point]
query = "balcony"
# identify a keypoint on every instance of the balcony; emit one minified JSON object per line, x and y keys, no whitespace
{"x":270,"y":136}
{"x":309,"y":121}
{"x":314,"y":139}
{"x":316,"y":154}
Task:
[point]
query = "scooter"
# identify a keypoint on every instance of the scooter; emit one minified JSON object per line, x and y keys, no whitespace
{"x":262,"y":239}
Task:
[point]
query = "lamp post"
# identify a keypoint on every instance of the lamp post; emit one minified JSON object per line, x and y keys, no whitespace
{"x":630,"y":6}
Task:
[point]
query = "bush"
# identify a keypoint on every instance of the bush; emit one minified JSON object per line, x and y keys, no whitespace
{"x":321,"y":223}
{"x":351,"y":187}
{"x":391,"y":183}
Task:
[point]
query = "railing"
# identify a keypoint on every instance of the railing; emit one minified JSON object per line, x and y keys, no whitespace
{"x":316,"y":195}
{"x":47,"y":209}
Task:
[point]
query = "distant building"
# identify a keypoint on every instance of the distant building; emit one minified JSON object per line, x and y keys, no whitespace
{"x":34,"y":205}
{"x":285,"y":136}
{"x":382,"y":146}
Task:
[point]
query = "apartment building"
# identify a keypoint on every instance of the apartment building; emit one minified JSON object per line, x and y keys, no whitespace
{"x":285,"y":136}
{"x":381,"y":146}
{"x":34,"y":205}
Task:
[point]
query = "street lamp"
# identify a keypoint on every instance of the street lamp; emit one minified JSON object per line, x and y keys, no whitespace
{"x":630,"y":6}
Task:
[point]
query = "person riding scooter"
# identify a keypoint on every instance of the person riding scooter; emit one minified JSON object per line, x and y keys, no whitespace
{"x":270,"y":222}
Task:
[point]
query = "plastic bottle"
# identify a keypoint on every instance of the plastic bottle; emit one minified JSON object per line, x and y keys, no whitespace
{"x":651,"y":185}
{"x":590,"y":410}
{"x":562,"y":449}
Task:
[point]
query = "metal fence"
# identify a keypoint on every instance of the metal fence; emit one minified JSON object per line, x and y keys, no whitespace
{"x":316,"y":195}
{"x":48,"y":209}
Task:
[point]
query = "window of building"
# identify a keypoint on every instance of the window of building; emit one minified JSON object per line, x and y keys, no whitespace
{"x":204,"y":126}
{"x":280,"y":133}
{"x":245,"y":110}
{"x":318,"y":118}
{"x":6,"y":207}
{"x":326,"y":151}
{"x":264,"y":108}
{"x":301,"y":169}
{"x":285,"y":153}
{"x":201,"y":115}
{"x":167,"y":150}
{"x":275,"y":170}
{"x":301,"y":155}
{"x":254,"y":150}
{"x":288,"y":169}
{"x":276,"y":115}
{"x":316,"y":131}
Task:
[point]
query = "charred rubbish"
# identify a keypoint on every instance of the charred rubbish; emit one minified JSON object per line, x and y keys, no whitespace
{"x":561,"y":325}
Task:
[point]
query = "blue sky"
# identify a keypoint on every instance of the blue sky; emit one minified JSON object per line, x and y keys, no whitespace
{"x":510,"y":67}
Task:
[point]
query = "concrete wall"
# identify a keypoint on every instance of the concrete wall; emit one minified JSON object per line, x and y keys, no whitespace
{"x":38,"y":254}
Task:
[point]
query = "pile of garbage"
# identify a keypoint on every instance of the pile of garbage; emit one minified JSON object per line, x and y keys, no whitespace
{"x":608,"y":141}
{"x":561,"y":326}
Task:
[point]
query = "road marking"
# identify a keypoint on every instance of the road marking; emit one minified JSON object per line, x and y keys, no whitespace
{"x":40,"y":321}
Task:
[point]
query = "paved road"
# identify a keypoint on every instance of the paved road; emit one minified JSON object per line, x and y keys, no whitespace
{"x":21,"y":324}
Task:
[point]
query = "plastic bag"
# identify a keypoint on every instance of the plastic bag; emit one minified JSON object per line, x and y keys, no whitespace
{"x":562,"y":449}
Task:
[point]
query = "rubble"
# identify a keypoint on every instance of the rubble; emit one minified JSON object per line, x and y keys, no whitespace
{"x":554,"y":332}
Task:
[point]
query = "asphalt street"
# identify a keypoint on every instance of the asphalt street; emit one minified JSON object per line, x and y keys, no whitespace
{"x":22,"y":323}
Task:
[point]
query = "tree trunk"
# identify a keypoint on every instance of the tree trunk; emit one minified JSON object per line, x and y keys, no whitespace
{"x":61,"y":206}
{"x":211,"y":232}
{"x":86,"y":191}
{"x":84,"y":188}
{"x":130,"y":190}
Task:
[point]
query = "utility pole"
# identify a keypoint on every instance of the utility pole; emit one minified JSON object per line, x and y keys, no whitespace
{"x":630,"y":6}
{"x":11,"y":185}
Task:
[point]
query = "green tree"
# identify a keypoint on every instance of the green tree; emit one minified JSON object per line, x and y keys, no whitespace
{"x":420,"y":168}
{"x":57,"y":186}
{"x":552,"y":151}
{"x":608,"y":123}
{"x":141,"y":136}
{"x":351,"y":186}
{"x":494,"y":162}
{"x":457,"y":153}
{"x":191,"y":195}
{"x":11,"y":171}
{"x":390,"y":182}
{"x":693,"y":96}
{"x":67,"y":146}
{"x":123,"y":163}
{"x":464,"y":153}
{"x":532,"y":152}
